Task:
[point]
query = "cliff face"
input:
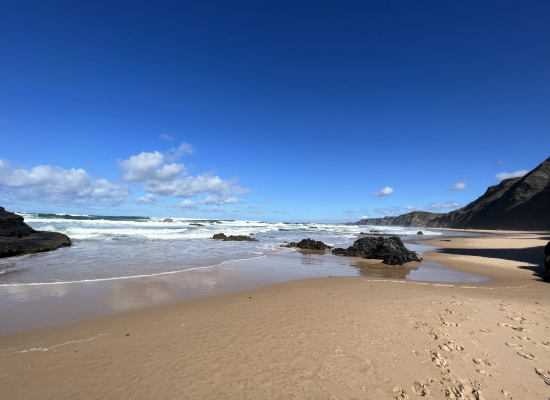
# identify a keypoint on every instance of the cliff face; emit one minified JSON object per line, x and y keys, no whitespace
{"x":513,"y":204}
{"x":16,"y":237}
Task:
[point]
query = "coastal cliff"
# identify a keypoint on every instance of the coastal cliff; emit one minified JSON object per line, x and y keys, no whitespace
{"x":17,"y":238}
{"x":514,"y":204}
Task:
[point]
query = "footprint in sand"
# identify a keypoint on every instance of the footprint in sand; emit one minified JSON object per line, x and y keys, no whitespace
{"x":456,"y":303}
{"x":445,"y":322}
{"x":440,"y":361}
{"x":515,"y":346}
{"x":482,"y":363}
{"x":448,"y":311}
{"x":434,"y":302}
{"x":545,"y":345}
{"x":523,"y":321}
{"x":420,"y":389}
{"x":487,"y":331}
{"x":449,"y":347}
{"x":528,"y":356}
{"x":507,"y":394}
{"x":520,"y":337}
{"x":401,"y":394}
{"x":544,"y":374}
{"x":516,"y":328}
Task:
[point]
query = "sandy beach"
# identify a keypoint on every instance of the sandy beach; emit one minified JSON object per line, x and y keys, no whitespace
{"x":324,"y":338}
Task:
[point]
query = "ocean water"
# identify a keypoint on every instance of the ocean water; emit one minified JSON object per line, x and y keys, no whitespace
{"x":111,"y":248}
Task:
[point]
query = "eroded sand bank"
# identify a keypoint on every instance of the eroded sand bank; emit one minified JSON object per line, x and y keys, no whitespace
{"x":326,"y":338}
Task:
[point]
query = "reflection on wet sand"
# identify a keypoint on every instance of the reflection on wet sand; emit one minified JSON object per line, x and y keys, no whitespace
{"x":385,"y":271}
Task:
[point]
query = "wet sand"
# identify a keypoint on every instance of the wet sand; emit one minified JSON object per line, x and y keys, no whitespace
{"x":324,"y":338}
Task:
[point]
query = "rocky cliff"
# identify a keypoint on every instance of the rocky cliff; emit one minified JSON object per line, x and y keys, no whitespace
{"x":16,"y":237}
{"x":513,"y":204}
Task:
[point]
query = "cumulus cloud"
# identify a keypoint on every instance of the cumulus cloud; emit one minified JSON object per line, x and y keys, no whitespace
{"x":57,"y":185}
{"x":387,"y":210}
{"x":383,"y":192}
{"x":364,"y":217}
{"x":162,"y":178}
{"x":507,"y":175}
{"x":460,"y":185}
{"x":149,"y":198}
{"x":186,"y":205}
{"x":438,"y":207}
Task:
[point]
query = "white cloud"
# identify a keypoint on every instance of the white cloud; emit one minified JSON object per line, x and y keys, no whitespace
{"x":278,"y":212}
{"x":460,"y":185}
{"x":364,"y":217}
{"x":171,"y":180}
{"x":507,"y":175}
{"x":149,"y":198}
{"x":437,"y":207}
{"x":166,"y":137}
{"x":387,"y":210}
{"x":219,"y":200}
{"x":270,"y":199}
{"x":175,"y":153}
{"x":349,"y":212}
{"x":186,"y":205}
{"x":57,"y":185}
{"x":412,"y":208}
{"x":384,"y":192}
{"x":255,"y":207}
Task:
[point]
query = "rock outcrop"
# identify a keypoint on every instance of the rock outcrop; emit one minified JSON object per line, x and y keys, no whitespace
{"x":238,"y":238}
{"x":390,"y":250}
{"x":17,"y":238}
{"x":167,"y":220}
{"x":513,"y":204}
{"x":309,"y":244}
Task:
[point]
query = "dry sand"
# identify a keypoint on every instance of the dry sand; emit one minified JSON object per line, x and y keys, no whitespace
{"x":326,"y":338}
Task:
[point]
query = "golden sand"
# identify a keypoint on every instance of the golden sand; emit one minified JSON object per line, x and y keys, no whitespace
{"x":326,"y":338}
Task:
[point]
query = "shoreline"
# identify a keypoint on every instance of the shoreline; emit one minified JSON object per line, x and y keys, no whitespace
{"x":338,"y":337}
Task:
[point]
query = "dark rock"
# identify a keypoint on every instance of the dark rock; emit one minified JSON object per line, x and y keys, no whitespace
{"x":167,"y":220}
{"x":390,"y":250}
{"x":313,"y":227}
{"x":197,"y":224}
{"x":286,"y":230}
{"x":16,"y":237}
{"x":238,"y":238}
{"x":309,"y":244}
{"x":419,"y":233}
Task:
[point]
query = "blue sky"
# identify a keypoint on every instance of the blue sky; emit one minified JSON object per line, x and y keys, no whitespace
{"x":268,"y":110}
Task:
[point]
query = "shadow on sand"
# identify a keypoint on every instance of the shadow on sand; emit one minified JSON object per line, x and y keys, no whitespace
{"x":530,"y":255}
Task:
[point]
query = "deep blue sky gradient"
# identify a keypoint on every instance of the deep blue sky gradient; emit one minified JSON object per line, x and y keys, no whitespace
{"x":318,"y":104}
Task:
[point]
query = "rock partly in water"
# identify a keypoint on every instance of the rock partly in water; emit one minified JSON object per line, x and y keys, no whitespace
{"x":238,"y":238}
{"x":196,"y":224}
{"x":419,"y":233}
{"x":17,"y":238}
{"x":390,"y":250}
{"x":284,"y":230}
{"x":167,"y":220}
{"x":309,"y":244}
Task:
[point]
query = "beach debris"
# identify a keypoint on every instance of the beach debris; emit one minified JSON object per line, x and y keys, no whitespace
{"x":167,"y":220}
{"x":237,"y":238}
{"x":308,"y":244}
{"x":390,"y":250}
